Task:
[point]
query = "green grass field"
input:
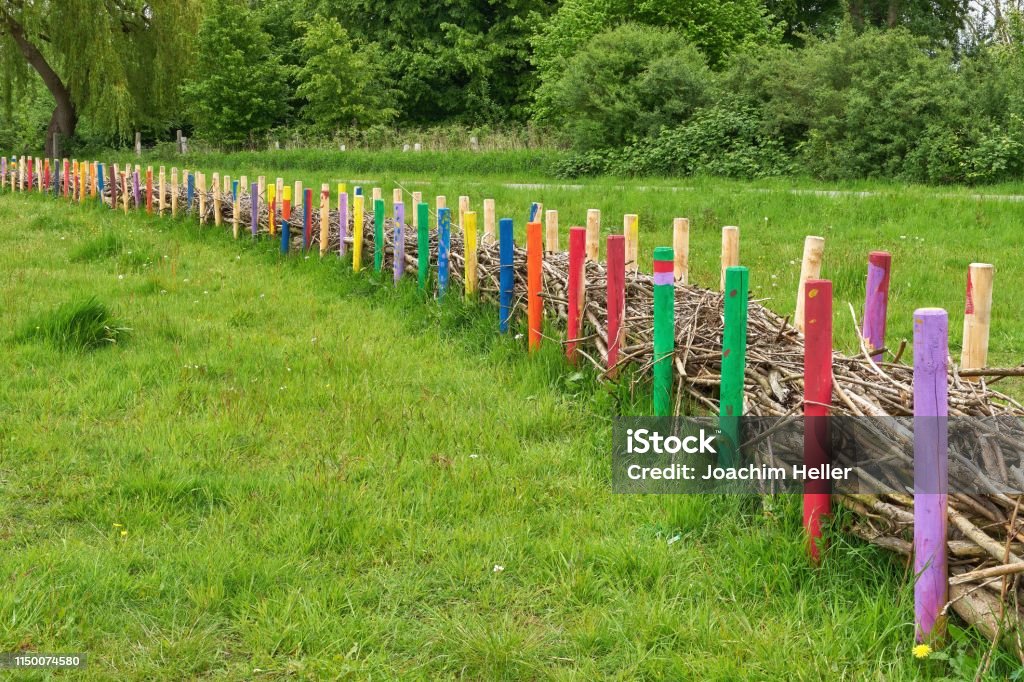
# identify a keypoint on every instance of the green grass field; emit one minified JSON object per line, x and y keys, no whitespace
{"x":284,"y":470}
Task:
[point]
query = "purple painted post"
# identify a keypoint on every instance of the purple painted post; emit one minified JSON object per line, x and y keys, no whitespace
{"x":254,"y":208}
{"x":136,"y":189}
{"x":3,"y":171}
{"x":342,"y":221}
{"x":876,"y":302}
{"x":399,"y":250}
{"x":931,"y":409}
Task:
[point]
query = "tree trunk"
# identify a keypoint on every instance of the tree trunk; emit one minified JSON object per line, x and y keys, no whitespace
{"x":65,"y":116}
{"x":894,"y":14}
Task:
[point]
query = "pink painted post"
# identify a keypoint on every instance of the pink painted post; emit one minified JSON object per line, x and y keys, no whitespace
{"x":876,"y":303}
{"x":931,"y":410}
{"x":616,"y":298}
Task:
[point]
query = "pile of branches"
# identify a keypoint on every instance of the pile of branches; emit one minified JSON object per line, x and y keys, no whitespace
{"x":987,"y":531}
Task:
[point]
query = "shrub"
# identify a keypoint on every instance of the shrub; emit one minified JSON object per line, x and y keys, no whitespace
{"x":628,"y":83}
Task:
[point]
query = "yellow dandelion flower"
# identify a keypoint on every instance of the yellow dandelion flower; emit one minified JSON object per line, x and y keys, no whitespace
{"x":124,"y":534}
{"x":922,"y":651}
{"x":117,"y":525}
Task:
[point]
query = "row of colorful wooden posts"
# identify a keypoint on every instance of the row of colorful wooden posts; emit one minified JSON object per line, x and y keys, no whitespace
{"x":813,"y":314}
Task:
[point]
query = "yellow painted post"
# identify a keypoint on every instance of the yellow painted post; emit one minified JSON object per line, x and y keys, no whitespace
{"x":551,"y":230}
{"x":325,"y":218}
{"x":469,"y":231}
{"x":201,"y":182}
{"x":631,"y":229}
{"x":83,"y":185}
{"x":174,"y":192}
{"x":594,"y":235}
{"x":490,"y":236}
{"x":217,"y":203}
{"x":162,"y":190}
{"x":271,"y":209}
{"x":124,"y":188}
{"x":730,"y":250}
{"x":357,"y":232}
{"x":94,"y":181}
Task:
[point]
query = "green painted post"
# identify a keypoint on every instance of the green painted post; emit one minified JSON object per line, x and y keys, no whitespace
{"x":378,"y":234}
{"x":423,"y":243}
{"x":664,"y":329}
{"x":734,"y":360}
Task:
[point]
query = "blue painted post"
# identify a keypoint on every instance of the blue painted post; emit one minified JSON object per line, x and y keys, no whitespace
{"x":285,"y":237}
{"x":444,"y":245}
{"x":398,"y":253}
{"x":254,"y":212}
{"x":99,"y":179}
{"x":506,"y":278}
{"x":191,"y":191}
{"x":234,"y":190}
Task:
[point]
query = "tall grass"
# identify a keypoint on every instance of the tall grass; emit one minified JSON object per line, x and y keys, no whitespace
{"x":81,"y":325}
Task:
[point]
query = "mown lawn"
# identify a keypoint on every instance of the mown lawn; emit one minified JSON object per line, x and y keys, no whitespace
{"x":290,"y":471}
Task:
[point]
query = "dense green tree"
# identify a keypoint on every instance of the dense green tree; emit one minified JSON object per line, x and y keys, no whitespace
{"x":237,"y":88}
{"x":117,"y":61}
{"x":342,"y":85}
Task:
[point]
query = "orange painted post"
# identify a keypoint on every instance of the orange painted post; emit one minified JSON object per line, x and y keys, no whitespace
{"x":534,"y":303}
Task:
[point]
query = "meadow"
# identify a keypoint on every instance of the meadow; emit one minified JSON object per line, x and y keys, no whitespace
{"x":281,"y":469}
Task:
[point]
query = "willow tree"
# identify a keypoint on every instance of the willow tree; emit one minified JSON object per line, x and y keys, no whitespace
{"x":118,"y":62}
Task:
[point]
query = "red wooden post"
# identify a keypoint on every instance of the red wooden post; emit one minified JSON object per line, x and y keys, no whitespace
{"x":577,"y":253}
{"x":534,"y":304}
{"x":817,"y":401}
{"x":616,"y":250}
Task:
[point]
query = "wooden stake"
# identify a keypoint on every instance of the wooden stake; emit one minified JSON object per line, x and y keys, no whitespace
{"x":236,"y":207}
{"x":664,"y":330}
{"x":254,"y":209}
{"x":876,"y":301}
{"x":576,"y":289}
{"x":551,"y":231}
{"x":439,"y":203}
{"x":469,"y":233}
{"x":358,"y":215}
{"x":218,"y":201}
{"x":325,"y":218}
{"x":931,"y":412}
{"x":977,"y":317}
{"x":124,"y":190}
{"x":817,"y":399}
{"x":201,"y":180}
{"x":681,"y":248}
{"x":396,"y":196}
{"x":342,"y":219}
{"x":272,"y":209}
{"x":463,"y":209}
{"x":506,"y":275}
{"x":594,"y":235}
{"x":378,"y":194}
{"x":810,"y":268}
{"x":398,"y":252}
{"x":490,"y":236}
{"x":631,"y":230}
{"x":616,"y":252}
{"x":730,"y":251}
{"x":534,"y":303}
{"x":162,"y":190}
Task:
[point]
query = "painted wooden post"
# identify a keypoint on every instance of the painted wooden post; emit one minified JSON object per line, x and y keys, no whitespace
{"x":534,"y":303}
{"x":307,"y":220}
{"x":664,"y":330}
{"x":730,"y":251}
{"x":298,"y":198}
{"x":161,"y":191}
{"x":279,"y":193}
{"x":576,"y":290}
{"x":378,"y":232}
{"x":201,"y":180}
{"x":977,"y":317}
{"x":551,"y":231}
{"x":357,"y":191}
{"x":506,"y":280}
{"x":358,"y":214}
{"x":681,"y":247}
{"x":490,"y":236}
{"x":422,"y":244}
{"x":286,"y":203}
{"x":342,"y":219}
{"x":46,"y":174}
{"x":734,"y":364}
{"x":876,"y":302}
{"x":440,"y":202}
{"x":218,"y":200}
{"x":28,"y":171}
{"x":286,"y":235}
{"x":272,"y":209}
{"x":631,"y":229}
{"x":236,"y":206}
{"x":378,"y":195}
{"x":124,"y":190}
{"x":93,"y":177}
{"x":931,"y":411}
{"x":325,"y":218}
{"x":149,"y":190}
{"x":136,"y":188}
{"x":67,"y":178}
{"x":112,"y":184}
{"x":398,"y":250}
{"x":810,"y":268}
{"x":174,"y":192}
{"x":254,"y":209}
{"x":469,"y":233}
{"x":444,"y":245}
{"x":100,"y":178}
{"x":536,"y":211}
{"x":616,"y":253}
{"x":190,"y":191}
{"x":463,"y":209}
{"x":594,"y":234}
{"x":817,"y":500}
{"x":417,"y":199}
{"x":261,"y":186}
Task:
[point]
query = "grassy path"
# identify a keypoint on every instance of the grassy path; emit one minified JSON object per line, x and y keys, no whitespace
{"x":291,"y":472}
